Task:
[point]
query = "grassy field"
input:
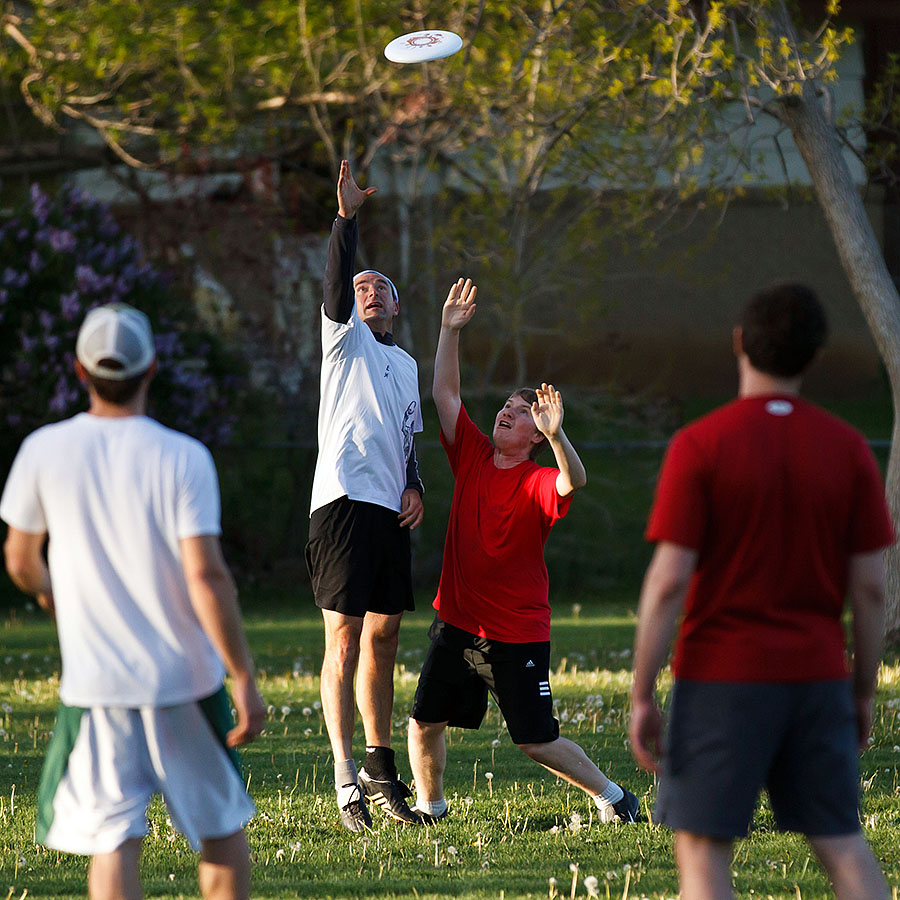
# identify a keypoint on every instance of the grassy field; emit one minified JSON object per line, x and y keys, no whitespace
{"x":512,"y":833}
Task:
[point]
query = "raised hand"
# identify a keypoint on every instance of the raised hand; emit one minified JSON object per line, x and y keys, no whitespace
{"x":547,"y":410}
{"x":459,"y":306}
{"x":350,"y":195}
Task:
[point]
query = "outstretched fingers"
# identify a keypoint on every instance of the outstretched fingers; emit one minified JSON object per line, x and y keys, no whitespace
{"x":350,"y":195}
{"x":547,"y":410}
{"x":460,"y":304}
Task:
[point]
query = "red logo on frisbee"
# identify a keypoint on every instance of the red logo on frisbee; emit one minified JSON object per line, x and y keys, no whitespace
{"x":424,"y":40}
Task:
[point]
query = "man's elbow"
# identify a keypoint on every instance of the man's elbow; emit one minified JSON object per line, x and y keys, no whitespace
{"x":440,"y":395}
{"x":669,"y":585}
{"x":868,"y":594}
{"x":18,"y":567}
{"x":210,"y":579}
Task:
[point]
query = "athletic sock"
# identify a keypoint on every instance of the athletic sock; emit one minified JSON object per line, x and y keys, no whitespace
{"x":611,"y":794}
{"x":380,"y":764}
{"x":432,"y":807}
{"x":345,"y":780}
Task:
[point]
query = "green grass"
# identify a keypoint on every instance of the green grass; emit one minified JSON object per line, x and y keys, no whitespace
{"x":506,"y":837}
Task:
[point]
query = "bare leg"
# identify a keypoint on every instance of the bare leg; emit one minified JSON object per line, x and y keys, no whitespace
{"x":568,"y":761}
{"x":224,"y":872}
{"x":375,"y":681}
{"x":851,"y":866}
{"x":428,"y":758}
{"x":338,"y":668}
{"x":115,"y":876}
{"x":704,"y":867}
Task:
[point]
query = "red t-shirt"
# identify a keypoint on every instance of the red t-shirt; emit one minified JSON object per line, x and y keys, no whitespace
{"x":494,"y":579}
{"x":775,"y":494}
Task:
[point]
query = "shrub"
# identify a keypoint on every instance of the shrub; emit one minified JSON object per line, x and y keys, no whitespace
{"x":61,"y":258}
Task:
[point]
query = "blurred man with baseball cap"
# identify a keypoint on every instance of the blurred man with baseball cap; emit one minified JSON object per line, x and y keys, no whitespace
{"x":147,"y":618}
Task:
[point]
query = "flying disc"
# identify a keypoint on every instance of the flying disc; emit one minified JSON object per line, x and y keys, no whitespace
{"x":422,"y":46}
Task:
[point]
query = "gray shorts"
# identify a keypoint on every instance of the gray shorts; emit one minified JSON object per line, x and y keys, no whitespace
{"x":727,"y":741}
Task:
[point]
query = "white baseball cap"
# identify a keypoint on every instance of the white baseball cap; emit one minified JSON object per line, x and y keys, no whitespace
{"x":115,"y":342}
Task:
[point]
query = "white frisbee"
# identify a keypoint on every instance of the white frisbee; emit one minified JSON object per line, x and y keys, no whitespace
{"x":423,"y":46}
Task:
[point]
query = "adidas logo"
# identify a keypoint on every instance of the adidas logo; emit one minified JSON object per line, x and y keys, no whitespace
{"x":529,"y":664}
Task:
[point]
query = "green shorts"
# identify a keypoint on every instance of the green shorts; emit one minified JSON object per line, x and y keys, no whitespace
{"x":105,"y":763}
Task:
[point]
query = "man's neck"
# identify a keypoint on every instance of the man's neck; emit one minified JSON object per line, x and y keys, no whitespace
{"x":754,"y":383}
{"x":383,"y":337}
{"x":508,"y":461}
{"x":106,"y":410}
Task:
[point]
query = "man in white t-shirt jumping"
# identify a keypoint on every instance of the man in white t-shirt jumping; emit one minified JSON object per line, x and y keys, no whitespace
{"x":148,"y":624}
{"x":366,"y":498}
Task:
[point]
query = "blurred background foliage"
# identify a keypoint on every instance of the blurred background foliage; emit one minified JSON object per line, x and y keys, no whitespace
{"x":564,"y":131}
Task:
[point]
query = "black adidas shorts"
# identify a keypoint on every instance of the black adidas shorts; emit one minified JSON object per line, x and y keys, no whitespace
{"x":358,"y":558}
{"x":461,"y":668}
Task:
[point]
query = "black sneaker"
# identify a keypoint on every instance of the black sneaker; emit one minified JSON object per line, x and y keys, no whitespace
{"x":390,"y":794}
{"x":355,"y":816}
{"x":428,"y":818}
{"x":627,"y":810}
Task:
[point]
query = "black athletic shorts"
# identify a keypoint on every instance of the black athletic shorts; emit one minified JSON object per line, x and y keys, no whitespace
{"x":459,"y":670}
{"x":358,"y":558}
{"x":727,"y":741}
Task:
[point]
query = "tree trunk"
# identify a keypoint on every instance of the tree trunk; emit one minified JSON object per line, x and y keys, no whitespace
{"x":863,"y":261}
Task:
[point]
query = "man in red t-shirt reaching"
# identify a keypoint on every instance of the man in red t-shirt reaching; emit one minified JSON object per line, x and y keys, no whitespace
{"x":768,"y":513}
{"x":492,"y":630}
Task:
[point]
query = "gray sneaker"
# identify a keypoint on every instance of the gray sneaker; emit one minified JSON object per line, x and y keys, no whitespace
{"x":355,"y":816}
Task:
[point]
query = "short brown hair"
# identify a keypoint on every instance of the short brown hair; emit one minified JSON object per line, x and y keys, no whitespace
{"x":118,"y":392}
{"x":782,"y":328}
{"x":529,"y":395}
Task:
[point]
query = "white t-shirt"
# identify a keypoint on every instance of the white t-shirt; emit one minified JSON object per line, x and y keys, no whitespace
{"x":116,"y":495}
{"x":369,"y":409}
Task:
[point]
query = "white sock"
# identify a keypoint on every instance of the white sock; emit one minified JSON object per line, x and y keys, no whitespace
{"x":432,"y":807}
{"x":345,"y":780}
{"x":612,"y":793}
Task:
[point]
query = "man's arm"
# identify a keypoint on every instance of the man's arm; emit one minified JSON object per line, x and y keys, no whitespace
{"x":412,"y":510}
{"x":866,"y":592}
{"x":458,"y":310}
{"x":214,"y":599}
{"x":338,"y":281}
{"x":24,"y":553}
{"x":547,"y":412}
{"x":662,"y":599}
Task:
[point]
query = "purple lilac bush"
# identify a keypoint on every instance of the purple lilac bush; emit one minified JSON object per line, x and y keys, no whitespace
{"x":61,"y":257}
